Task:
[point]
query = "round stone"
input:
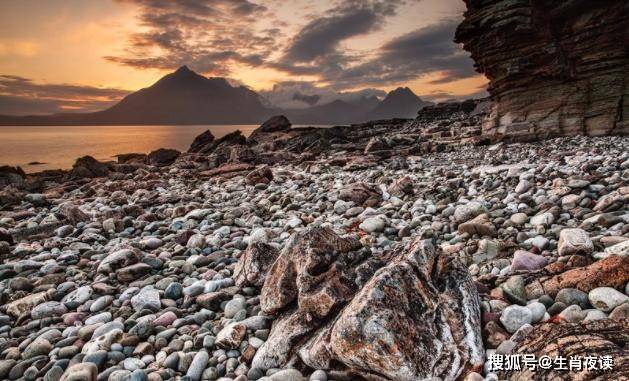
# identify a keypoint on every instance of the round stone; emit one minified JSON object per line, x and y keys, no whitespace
{"x":606,"y":298}
{"x":514,"y":317}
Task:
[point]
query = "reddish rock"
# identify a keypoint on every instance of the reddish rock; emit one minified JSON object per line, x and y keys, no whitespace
{"x":596,"y":339}
{"x":362,"y":194}
{"x":407,"y":314}
{"x":402,"y":187}
{"x":612,"y":271}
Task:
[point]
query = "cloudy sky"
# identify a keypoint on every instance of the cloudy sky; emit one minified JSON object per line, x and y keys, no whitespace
{"x":82,"y":55}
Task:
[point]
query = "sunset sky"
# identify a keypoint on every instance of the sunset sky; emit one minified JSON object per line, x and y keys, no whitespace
{"x":82,"y":55}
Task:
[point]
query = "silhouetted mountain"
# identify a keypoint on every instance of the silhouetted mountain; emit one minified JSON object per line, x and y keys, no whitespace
{"x":185,"y":97}
{"x":399,"y":103}
{"x":335,"y":112}
{"x":182,"y":97}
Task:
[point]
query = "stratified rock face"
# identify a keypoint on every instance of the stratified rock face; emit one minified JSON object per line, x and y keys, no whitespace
{"x":409,"y":314}
{"x":596,"y":339}
{"x":556,"y":67}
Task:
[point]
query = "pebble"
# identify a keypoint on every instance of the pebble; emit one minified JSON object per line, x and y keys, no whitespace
{"x":514,"y":317}
{"x":606,"y":298}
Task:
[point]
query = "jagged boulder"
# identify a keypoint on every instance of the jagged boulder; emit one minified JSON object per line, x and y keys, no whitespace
{"x":407,"y":314}
{"x":201,"y":141}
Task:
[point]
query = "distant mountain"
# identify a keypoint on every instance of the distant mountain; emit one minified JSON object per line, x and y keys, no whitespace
{"x":182,"y":97}
{"x":185,"y":97}
{"x":399,"y":103}
{"x":335,"y":112}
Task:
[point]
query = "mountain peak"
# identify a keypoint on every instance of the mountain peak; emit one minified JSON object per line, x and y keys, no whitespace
{"x":402,"y":91}
{"x":184,"y":69}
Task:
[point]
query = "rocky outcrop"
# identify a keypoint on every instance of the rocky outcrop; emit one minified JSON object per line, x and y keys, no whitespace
{"x":163,"y":157}
{"x":555,"y":67}
{"x":88,"y":167}
{"x":407,"y":314}
{"x":594,"y":339}
{"x":201,"y":141}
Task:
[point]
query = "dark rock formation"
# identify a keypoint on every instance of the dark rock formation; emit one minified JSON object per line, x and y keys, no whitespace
{"x":408,"y":314}
{"x":11,"y":175}
{"x":361,"y":194}
{"x":163,"y":157}
{"x":201,"y":141}
{"x":88,"y":167}
{"x":555,"y":67}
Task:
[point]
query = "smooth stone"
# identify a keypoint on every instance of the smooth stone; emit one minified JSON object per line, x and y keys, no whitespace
{"x":514,"y":317}
{"x":196,"y":368}
{"x":606,"y":298}
{"x":233,"y":306}
{"x":524,"y":260}
{"x":537,"y":310}
{"x":80,"y":372}
{"x":572,"y":296}
{"x":572,"y":314}
{"x":318,"y":375}
{"x":147,"y":298}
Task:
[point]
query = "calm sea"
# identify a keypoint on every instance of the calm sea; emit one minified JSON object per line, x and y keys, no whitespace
{"x":58,"y":147}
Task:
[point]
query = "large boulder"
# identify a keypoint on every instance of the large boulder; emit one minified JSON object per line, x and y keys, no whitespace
{"x":407,"y":314}
{"x":275,"y":124}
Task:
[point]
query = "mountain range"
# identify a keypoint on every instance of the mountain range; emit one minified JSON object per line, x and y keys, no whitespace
{"x":185,"y":97}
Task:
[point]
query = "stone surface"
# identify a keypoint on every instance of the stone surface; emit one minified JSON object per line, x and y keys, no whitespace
{"x":385,"y":312}
{"x":554,"y":67}
{"x":574,"y":241}
{"x":596,"y":338}
{"x":254,"y":263}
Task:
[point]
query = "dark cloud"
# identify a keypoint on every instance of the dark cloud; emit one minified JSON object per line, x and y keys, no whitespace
{"x":307,"y":99}
{"x":20,"y":96}
{"x":321,"y":36}
{"x":315,"y":48}
{"x":421,"y":52}
{"x":207,"y":35}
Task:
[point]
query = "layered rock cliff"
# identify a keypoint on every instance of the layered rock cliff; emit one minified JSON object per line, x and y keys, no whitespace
{"x":556,"y":67}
